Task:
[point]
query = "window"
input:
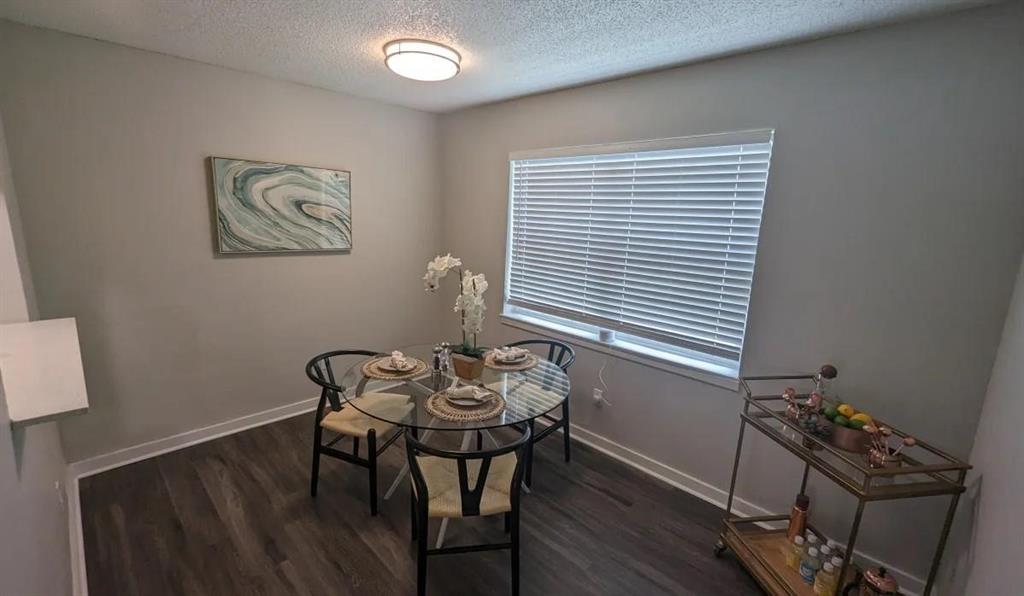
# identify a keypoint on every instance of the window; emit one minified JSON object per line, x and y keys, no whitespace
{"x":646,"y":247}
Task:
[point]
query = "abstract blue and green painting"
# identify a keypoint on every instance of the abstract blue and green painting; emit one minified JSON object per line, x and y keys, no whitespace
{"x":270,"y":207}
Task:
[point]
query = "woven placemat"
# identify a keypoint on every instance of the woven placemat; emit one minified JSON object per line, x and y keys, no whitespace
{"x":529,"y":362}
{"x":439,"y":406}
{"x":373,"y":370}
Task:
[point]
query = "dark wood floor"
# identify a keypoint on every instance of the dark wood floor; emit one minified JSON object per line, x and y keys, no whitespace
{"x":234,"y":516}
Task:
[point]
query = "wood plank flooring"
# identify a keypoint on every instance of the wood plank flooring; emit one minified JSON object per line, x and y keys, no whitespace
{"x":234,"y":516}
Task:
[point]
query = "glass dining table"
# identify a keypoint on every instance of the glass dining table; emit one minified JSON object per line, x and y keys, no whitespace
{"x":527,"y":394}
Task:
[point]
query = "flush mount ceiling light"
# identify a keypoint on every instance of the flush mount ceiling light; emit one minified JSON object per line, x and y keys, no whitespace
{"x":421,"y":60}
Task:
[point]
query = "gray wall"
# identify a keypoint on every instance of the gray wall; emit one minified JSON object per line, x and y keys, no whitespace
{"x":110,"y":147}
{"x":997,"y":456}
{"x":34,"y":554}
{"x":890,"y":241}
{"x":891,"y":236}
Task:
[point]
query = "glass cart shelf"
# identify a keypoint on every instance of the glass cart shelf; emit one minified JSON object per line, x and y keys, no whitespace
{"x":756,"y":547}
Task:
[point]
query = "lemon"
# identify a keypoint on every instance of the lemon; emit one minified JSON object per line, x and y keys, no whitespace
{"x":862,"y":417}
{"x":846,"y":410}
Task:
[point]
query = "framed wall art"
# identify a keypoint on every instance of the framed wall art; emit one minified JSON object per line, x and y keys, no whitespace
{"x":263,"y":207}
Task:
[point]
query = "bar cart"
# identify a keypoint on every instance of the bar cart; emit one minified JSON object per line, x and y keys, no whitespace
{"x":758,"y":541}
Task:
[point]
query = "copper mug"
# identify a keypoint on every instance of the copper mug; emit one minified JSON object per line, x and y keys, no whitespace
{"x":873,"y":582}
{"x":881,"y":459}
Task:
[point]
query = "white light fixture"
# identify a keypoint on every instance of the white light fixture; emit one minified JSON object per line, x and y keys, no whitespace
{"x":421,"y":60}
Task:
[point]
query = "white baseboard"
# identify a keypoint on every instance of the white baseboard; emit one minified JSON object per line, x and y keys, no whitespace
{"x":122,"y":457}
{"x":129,"y":455}
{"x":910,"y":584}
{"x":665,"y":473}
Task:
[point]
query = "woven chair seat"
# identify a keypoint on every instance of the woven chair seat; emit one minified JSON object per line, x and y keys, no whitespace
{"x":442,"y":478}
{"x":351,"y":420}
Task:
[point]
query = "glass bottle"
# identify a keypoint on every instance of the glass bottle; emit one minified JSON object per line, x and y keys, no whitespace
{"x":446,"y":358}
{"x":435,"y":368}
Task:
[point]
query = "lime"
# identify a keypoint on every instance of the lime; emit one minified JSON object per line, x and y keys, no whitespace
{"x":857,"y":423}
{"x":841,"y":420}
{"x":830,"y":412}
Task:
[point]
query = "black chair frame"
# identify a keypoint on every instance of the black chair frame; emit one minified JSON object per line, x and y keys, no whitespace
{"x":561,"y":355}
{"x":319,"y":370}
{"x":470,"y":499}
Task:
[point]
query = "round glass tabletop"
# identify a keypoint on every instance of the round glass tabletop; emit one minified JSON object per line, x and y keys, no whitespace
{"x":527,"y":394}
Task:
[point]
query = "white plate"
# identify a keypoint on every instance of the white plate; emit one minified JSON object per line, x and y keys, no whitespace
{"x":385,"y":364}
{"x":468,"y":401}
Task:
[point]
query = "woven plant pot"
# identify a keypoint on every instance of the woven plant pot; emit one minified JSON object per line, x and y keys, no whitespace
{"x":466,"y":367}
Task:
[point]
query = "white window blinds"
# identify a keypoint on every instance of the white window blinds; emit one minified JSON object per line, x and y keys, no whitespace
{"x":652,"y":239}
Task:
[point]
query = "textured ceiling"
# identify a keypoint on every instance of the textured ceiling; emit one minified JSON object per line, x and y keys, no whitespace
{"x":509,"y":47}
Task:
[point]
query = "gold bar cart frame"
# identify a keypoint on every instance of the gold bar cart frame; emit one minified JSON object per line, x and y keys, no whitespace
{"x":867,"y":484}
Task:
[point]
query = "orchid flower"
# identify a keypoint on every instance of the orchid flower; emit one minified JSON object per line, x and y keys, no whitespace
{"x":470,"y":301}
{"x":438,"y":269}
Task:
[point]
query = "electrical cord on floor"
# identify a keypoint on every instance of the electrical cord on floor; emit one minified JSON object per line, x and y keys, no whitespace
{"x":600,"y":377}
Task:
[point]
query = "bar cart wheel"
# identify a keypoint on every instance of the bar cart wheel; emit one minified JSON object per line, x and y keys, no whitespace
{"x":719,"y":548}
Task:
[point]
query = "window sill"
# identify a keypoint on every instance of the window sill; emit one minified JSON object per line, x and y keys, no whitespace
{"x":679,"y":365}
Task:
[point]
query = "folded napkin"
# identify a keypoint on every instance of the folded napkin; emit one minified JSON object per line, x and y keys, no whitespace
{"x":398,"y":359}
{"x":469,"y":392}
{"x":506,"y":353}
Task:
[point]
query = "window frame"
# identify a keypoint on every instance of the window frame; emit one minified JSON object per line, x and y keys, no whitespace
{"x":688,"y":362}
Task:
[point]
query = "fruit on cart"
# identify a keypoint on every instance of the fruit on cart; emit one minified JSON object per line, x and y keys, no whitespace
{"x":850,"y":417}
{"x":862,"y":417}
{"x":830,"y":412}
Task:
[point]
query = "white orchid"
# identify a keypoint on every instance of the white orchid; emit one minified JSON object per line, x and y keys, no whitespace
{"x":470,"y":301}
{"x":473,"y":321}
{"x":473,"y":324}
{"x":469,"y":304}
{"x":474,"y":284}
{"x":430,"y":282}
{"x":437,"y":269}
{"x":444,"y":264}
